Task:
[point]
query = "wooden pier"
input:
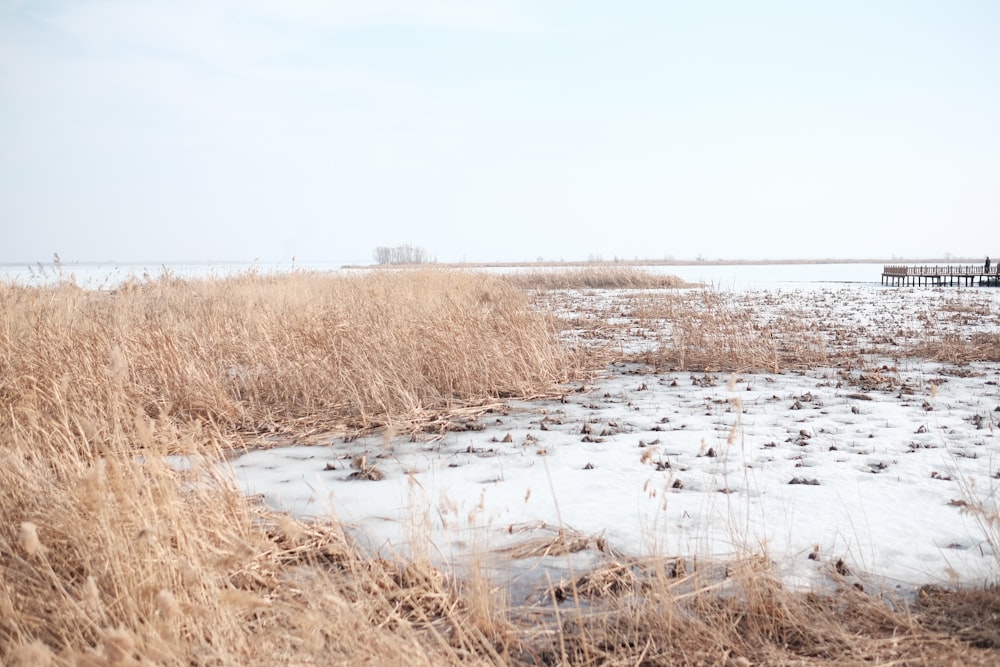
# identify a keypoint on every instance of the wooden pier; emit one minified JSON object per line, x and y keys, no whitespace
{"x":969,"y":275}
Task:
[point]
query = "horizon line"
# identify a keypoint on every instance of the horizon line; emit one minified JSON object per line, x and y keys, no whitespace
{"x":721,"y":261}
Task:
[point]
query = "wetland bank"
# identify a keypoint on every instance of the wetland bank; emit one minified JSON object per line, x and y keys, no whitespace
{"x":632,"y":441}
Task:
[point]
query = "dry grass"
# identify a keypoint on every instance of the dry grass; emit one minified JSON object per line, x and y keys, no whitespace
{"x":113,"y":554}
{"x":135,"y":561}
{"x":955,"y":348}
{"x":109,"y":553}
{"x":256,"y":353}
{"x":970,"y":615}
{"x":655,"y":612}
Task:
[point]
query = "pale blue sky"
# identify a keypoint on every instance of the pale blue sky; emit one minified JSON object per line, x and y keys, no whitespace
{"x":136,"y":130}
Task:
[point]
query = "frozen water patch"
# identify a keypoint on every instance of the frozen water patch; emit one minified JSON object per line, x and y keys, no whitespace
{"x":869,"y":465}
{"x":665,"y":465}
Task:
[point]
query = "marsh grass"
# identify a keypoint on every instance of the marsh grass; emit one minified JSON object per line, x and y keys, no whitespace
{"x":705,"y":330}
{"x":113,"y":551}
{"x":595,"y":277}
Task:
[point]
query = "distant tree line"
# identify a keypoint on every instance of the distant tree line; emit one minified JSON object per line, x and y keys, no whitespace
{"x":401,"y":254}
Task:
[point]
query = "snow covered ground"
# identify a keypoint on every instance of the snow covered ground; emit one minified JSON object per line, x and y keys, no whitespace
{"x":866,"y":473}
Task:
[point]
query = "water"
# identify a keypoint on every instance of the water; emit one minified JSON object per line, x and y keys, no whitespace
{"x":104,"y":276}
{"x":755,"y":276}
{"x":767,"y":276}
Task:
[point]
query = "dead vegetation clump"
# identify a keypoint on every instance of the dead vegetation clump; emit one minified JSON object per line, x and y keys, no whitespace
{"x":553,"y":542}
{"x":957,"y":347}
{"x":611,"y":580}
{"x":641,"y":614}
{"x":971,"y":615}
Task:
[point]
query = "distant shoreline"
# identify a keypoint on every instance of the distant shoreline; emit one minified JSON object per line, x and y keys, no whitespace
{"x":666,"y":262}
{"x":521,"y":264}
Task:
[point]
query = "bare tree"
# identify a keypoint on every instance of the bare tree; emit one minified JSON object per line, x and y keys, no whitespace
{"x":402,"y":254}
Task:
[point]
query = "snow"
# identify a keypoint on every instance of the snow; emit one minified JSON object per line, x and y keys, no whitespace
{"x":884,"y":459}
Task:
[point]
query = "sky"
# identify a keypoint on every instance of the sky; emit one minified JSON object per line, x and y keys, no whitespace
{"x":242,"y":130}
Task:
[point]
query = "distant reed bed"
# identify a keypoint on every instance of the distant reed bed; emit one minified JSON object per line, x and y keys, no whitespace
{"x":594,"y":277}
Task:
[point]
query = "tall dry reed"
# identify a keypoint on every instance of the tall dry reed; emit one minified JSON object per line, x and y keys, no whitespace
{"x":253,"y":351}
{"x":111,"y":552}
{"x":594,"y":277}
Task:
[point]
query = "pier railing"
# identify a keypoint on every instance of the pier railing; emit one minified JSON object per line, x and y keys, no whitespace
{"x":960,"y":274}
{"x":955,"y":270}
